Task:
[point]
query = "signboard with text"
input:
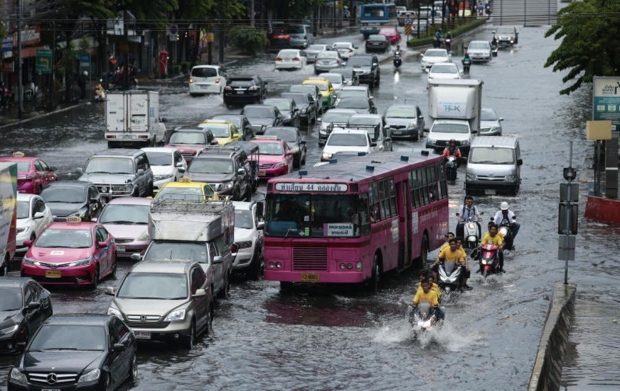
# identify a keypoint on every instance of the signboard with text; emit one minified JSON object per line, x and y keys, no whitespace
{"x":606,"y":101}
{"x":43,"y":63}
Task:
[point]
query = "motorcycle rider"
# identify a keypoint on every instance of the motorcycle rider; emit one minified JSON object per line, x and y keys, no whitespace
{"x":448,"y":40}
{"x":466,"y":61}
{"x":505,"y":216}
{"x":438,"y":38}
{"x":493,"y":237}
{"x":467,"y":210}
{"x":427,"y":294}
{"x":494,"y":40}
{"x":398,"y":51}
{"x":452,"y":150}
{"x":452,"y":254}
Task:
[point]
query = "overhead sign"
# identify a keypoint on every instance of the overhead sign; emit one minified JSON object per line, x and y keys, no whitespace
{"x":606,"y":101}
{"x":318,"y":187}
{"x":43,"y":63}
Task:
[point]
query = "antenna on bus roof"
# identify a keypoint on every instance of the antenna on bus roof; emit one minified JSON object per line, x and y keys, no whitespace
{"x":404,"y":158}
{"x":370,"y":168}
{"x":302,"y":173}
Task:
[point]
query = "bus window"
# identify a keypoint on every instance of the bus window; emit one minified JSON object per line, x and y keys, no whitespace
{"x":364,"y":214}
{"x":393,"y":198}
{"x":432,"y":183}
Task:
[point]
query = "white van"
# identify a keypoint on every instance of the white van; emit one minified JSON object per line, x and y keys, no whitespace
{"x":207,"y":79}
{"x":493,"y":166}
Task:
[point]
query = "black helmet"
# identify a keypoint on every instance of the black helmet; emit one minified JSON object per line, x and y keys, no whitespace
{"x":452,"y":141}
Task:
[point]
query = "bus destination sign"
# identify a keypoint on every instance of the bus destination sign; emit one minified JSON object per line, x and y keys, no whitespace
{"x":318,"y":187}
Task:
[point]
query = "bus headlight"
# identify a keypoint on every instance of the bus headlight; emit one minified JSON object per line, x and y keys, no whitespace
{"x":358,"y":266}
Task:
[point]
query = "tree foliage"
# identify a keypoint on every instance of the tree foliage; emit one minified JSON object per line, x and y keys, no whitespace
{"x":589,"y":31}
{"x":248,"y":39}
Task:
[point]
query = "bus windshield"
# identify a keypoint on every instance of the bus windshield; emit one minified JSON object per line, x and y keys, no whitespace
{"x":314,"y":215}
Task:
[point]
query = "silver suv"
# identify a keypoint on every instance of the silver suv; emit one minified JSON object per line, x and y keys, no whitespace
{"x":164,"y":301}
{"x":120,"y":172}
{"x":249,"y":239}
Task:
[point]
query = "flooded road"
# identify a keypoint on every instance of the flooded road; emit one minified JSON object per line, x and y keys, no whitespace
{"x":347,"y":340}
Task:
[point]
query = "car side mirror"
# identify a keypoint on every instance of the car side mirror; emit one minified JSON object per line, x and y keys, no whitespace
{"x":200,"y":293}
{"x":373,"y":144}
{"x":94,"y":200}
{"x":135,"y":257}
{"x":241,"y":171}
{"x":80,"y":170}
{"x":53,"y":168}
{"x":28,"y":243}
{"x":180,"y":164}
{"x":118,"y":347}
{"x":217,"y":260}
{"x":140,"y":172}
{"x":319,"y":120}
{"x":110,"y":290}
{"x":101,"y":244}
{"x":374,"y":64}
{"x":33,"y":306}
{"x":38,"y":215}
{"x":163,"y":119}
{"x":501,"y":119}
{"x":214,"y":142}
{"x":260,"y":225}
{"x":302,"y":142}
{"x":519,"y":162}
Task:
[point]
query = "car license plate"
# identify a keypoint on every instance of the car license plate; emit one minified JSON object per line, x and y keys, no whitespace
{"x":261,"y":173}
{"x":396,"y":132}
{"x":142,"y":334}
{"x":120,"y":249}
{"x":126,"y":137}
{"x":309,"y":277}
{"x":53,"y":274}
{"x":50,"y":389}
{"x":489,"y":191}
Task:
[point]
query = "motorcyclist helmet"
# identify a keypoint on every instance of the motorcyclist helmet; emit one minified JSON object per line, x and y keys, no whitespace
{"x":504,"y":206}
{"x":452,"y":142}
{"x":85,"y":73}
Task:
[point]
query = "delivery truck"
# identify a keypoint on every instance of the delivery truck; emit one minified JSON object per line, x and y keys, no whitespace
{"x":8,"y":214}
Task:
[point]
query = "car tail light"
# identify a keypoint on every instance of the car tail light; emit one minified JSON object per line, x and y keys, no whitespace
{"x":278,"y":59}
{"x":337,"y":61}
{"x":217,"y":80}
{"x":228,"y":88}
{"x":296,"y":59}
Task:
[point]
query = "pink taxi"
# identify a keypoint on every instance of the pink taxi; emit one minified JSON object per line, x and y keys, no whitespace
{"x":275,"y":156}
{"x":391,"y":33}
{"x":71,"y":253}
{"x":33,"y":174}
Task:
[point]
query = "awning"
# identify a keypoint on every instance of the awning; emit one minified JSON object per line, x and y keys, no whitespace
{"x":30,"y":52}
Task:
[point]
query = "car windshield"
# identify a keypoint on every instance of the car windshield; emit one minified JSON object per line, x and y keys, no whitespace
{"x":109,"y":165}
{"x":211,"y":166}
{"x":158,"y":286}
{"x":400,"y":112}
{"x":65,"y":238}
{"x":270,"y":148}
{"x":330,"y":117}
{"x":299,"y":99}
{"x":258,"y":112}
{"x":282,"y":104}
{"x":490,"y":155}
{"x":435,"y":53}
{"x":488,"y":115}
{"x":218,"y":130}
{"x":322,"y":85}
{"x":243,"y":219}
{"x":444,"y":68}
{"x":505,"y":30}
{"x":347,"y":140}
{"x":65,"y":337}
{"x":181,"y":193}
{"x":233,"y":119}
{"x":315,"y":48}
{"x":478,"y":45}
{"x":125,"y":214}
{"x":353,"y":103}
{"x":334,"y":79}
{"x":449,"y":128}
{"x":204,"y":72}
{"x":159,"y":158}
{"x":69,"y":195}
{"x":12,"y":298}
{"x":194,"y":251}
{"x":353,"y":93}
{"x":290,"y":136}
{"x":23,"y":210}
{"x":187,"y":138}
{"x":328,"y":55}
{"x":303,"y":88}
{"x":341,"y":45}
{"x":366,"y":121}
{"x":359,"y":62}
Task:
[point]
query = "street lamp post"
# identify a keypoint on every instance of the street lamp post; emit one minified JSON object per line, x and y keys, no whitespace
{"x":20,"y":101}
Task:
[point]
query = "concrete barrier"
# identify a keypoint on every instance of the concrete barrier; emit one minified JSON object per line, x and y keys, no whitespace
{"x":547,"y":371}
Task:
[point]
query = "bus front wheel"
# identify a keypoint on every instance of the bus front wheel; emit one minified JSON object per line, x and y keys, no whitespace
{"x":373,"y":284}
{"x":423,"y":253}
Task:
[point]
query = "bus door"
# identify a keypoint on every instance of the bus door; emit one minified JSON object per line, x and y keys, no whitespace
{"x":404,"y":225}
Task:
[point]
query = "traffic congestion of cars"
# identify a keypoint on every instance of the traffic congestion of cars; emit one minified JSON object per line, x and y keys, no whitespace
{"x":138,"y":204}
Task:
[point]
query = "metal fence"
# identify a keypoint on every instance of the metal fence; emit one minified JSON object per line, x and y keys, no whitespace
{"x":528,"y":13}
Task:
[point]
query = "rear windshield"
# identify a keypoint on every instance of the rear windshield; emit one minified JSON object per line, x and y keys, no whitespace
{"x":359,"y":61}
{"x":347,"y":140}
{"x":204,"y":72}
{"x":295,"y":30}
{"x":330,"y":117}
{"x":242,"y":83}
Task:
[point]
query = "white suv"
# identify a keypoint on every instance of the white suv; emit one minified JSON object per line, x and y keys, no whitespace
{"x":347,"y":140}
{"x":249,"y":238}
{"x":207,"y":79}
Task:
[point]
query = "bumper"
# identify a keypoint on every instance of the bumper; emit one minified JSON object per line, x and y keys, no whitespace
{"x":272,"y":172}
{"x":325,"y":68}
{"x":288,"y":65}
{"x":90,"y":386}
{"x":377,"y":48}
{"x":366,"y":78}
{"x":200,"y":89}
{"x":170,"y":332}
{"x":8,"y":344}
{"x":26,"y":187}
{"x":243,"y":259}
{"x":124,"y":250}
{"x":405,"y":133}
{"x":484,"y":58}
{"x":348,"y":277}
{"x":491,"y":187}
{"x":79,"y":275}
{"x":158,"y":184}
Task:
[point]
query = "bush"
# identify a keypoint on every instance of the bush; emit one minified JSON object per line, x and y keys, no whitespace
{"x":176,"y":69}
{"x":249,"y":40}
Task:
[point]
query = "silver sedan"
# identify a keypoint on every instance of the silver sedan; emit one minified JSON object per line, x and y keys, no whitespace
{"x":328,"y":60}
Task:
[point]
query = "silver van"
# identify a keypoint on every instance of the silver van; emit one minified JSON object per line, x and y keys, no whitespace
{"x":301,"y":35}
{"x":493,"y":166}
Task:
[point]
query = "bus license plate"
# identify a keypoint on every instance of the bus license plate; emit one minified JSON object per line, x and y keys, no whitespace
{"x":489,"y":191}
{"x":142,"y":334}
{"x":309,"y":277}
{"x":53,"y":274}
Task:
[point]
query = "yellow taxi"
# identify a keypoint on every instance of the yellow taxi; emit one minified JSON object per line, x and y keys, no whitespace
{"x":224,"y":132}
{"x":327,"y":90}
{"x":187,"y":190}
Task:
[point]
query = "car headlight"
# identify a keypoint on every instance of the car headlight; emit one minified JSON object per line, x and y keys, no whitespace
{"x":263,"y":127}
{"x":304,"y":110}
{"x":278,"y":165}
{"x":411,"y":125}
{"x":470,"y":177}
{"x":144,"y":236}
{"x":81,"y":262}
{"x":162,"y":177}
{"x":246,"y":244}
{"x":228,"y":185}
{"x":28,"y":261}
{"x":510,"y":178}
{"x":9,"y":330}
{"x":21,"y":229}
{"x":327,"y":156}
{"x":80,"y":213}
{"x":175,"y":315}
{"x":495,"y":129}
{"x":17,"y":376}
{"x":115,"y":312}
{"x":90,"y":376}
{"x":464,"y":142}
{"x":322,"y":131}
{"x":129,"y":187}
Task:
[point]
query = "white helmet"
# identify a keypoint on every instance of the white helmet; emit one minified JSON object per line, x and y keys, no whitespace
{"x":504,"y":206}
{"x":85,"y":73}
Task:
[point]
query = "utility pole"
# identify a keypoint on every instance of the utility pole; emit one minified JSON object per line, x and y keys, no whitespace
{"x":20,"y":87}
{"x":567,"y":216}
{"x":126,"y":51}
{"x":252,"y":22}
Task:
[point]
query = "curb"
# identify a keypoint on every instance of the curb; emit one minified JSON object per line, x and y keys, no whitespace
{"x":547,"y":371}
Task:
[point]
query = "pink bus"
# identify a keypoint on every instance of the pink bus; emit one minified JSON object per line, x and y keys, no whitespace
{"x":349,"y":222}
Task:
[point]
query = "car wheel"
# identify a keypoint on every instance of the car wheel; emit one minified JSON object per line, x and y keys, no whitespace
{"x":190,"y":340}
{"x":107,"y":386}
{"x":373,"y":283}
{"x":237,"y":195}
{"x":149,"y":190}
{"x":255,"y":266}
{"x":95,"y":280}
{"x":133,"y":370}
{"x":209,"y":326}
{"x":136,"y":192}
{"x":224,"y":293}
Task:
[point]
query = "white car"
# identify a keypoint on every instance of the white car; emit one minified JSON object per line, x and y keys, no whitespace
{"x":168,"y":165}
{"x":32,"y":216}
{"x":447,"y":70}
{"x":290,"y":59}
{"x":337,"y":80}
{"x":249,"y":238}
{"x":434,"y":56}
{"x":207,"y":79}
{"x":479,"y":51}
{"x":444,"y":130}
{"x":346,"y":49}
{"x":313,"y":50}
{"x":349,"y":140}
{"x":333,"y":119}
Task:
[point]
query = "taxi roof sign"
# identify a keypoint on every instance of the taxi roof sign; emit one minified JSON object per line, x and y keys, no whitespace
{"x":18,"y":154}
{"x":74,"y":220}
{"x":185,"y":180}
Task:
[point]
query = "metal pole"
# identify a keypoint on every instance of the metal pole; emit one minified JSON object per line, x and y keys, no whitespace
{"x":568,"y":211}
{"x":20,"y":87}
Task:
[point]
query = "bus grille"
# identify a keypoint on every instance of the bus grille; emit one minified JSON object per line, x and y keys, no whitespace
{"x":310,"y":258}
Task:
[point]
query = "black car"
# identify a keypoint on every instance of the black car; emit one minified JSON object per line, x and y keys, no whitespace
{"x":306,"y":105}
{"x":366,"y":66}
{"x":240,"y":121}
{"x":313,"y":90}
{"x":244,"y":89}
{"x":73,"y":198}
{"x":295,"y":141}
{"x":350,"y":78}
{"x":23,"y":308}
{"x":377,"y":43}
{"x":77,"y":351}
{"x":262,"y":116}
{"x":288,"y":108}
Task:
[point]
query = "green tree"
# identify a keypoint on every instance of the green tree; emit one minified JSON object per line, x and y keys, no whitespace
{"x":248,"y":39}
{"x":589,"y":31}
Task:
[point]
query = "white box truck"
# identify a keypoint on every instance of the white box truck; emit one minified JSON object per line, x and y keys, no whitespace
{"x":454,"y":112}
{"x":133,"y":119}
{"x":8,"y":214}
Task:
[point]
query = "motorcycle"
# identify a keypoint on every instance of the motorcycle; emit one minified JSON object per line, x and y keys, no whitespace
{"x":115,"y":78}
{"x":448,"y":44}
{"x":489,"y":259}
{"x":439,"y":43}
{"x":471,"y":232}
{"x":100,"y":93}
{"x":494,"y":49}
{"x":451,"y":166}
{"x":397,"y":60}
{"x":504,"y":229}
{"x":466,"y":66}
{"x":449,"y":279}
{"x":423,"y":318}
